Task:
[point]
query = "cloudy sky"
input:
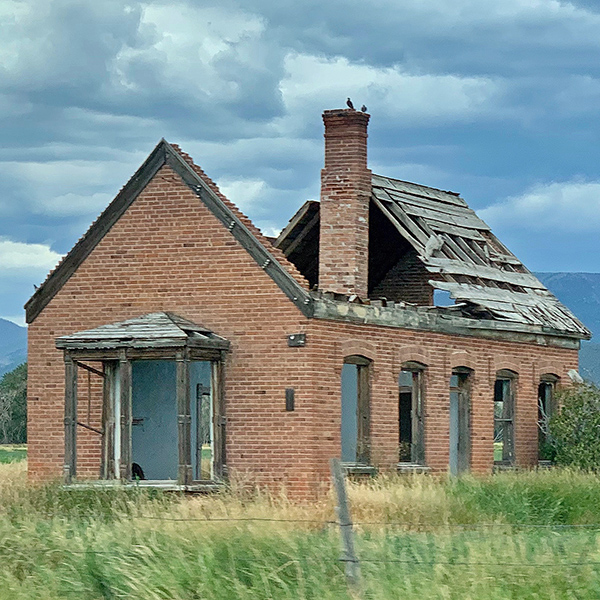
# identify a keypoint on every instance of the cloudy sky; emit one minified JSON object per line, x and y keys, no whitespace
{"x":496,"y":100}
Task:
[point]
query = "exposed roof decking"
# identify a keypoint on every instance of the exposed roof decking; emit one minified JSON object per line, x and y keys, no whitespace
{"x":466,"y":259}
{"x":153,"y":330}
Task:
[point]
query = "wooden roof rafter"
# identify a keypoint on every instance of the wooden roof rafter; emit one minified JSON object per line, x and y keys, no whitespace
{"x":467,"y":260}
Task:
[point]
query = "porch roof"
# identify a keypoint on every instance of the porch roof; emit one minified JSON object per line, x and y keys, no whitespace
{"x":153,"y":330}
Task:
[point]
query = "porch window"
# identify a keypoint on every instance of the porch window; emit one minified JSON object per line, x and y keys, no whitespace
{"x":546,"y":408}
{"x":355,"y":427}
{"x":411,"y":442}
{"x":163,"y":406}
{"x":504,"y":414}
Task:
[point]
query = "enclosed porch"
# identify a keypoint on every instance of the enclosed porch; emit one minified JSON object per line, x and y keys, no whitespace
{"x":162,"y":421}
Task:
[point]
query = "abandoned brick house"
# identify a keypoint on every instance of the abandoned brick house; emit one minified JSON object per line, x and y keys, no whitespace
{"x":177,"y":344}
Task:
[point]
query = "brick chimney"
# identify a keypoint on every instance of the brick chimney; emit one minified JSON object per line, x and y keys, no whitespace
{"x":345,"y":194}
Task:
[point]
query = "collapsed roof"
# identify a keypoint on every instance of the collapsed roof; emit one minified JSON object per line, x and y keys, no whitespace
{"x":457,"y":249}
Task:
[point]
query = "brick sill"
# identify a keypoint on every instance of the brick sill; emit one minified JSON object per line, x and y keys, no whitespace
{"x":500,"y":467}
{"x":354,"y":469}
{"x":167,"y":486}
{"x":405,"y":467}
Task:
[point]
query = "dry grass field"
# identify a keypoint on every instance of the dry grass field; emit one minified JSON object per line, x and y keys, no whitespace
{"x":527,"y":535}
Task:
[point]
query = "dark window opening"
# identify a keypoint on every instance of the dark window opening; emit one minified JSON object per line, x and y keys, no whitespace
{"x":504,"y":410}
{"x":546,"y":408}
{"x":460,"y":421}
{"x":411,"y":446}
{"x":355,"y":425}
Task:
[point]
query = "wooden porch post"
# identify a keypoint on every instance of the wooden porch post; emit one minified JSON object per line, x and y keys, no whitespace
{"x":184,"y":475}
{"x":107,"y":467}
{"x":218,"y":392}
{"x":126,"y":416}
{"x":70,"y":460}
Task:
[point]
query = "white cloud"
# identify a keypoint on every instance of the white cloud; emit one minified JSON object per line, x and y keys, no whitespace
{"x":187,"y":42}
{"x":313,"y":82}
{"x":67,"y":188}
{"x":566,"y":206}
{"x":244,"y":193}
{"x":19,"y":255}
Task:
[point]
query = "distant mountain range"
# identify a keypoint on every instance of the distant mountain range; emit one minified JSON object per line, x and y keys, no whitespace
{"x":13,"y":346}
{"x":579,"y":291}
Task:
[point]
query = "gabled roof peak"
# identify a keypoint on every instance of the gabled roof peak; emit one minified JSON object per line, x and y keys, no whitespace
{"x":271,"y":259}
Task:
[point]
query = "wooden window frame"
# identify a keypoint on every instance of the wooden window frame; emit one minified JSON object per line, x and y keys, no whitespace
{"x":124,"y":357}
{"x":548,"y":380}
{"x":464,"y":390}
{"x":507,"y":420}
{"x":417,"y":391}
{"x":363,"y":437}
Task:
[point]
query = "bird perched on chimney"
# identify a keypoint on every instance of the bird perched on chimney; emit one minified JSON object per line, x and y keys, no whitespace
{"x":349,"y":104}
{"x":363,"y":108}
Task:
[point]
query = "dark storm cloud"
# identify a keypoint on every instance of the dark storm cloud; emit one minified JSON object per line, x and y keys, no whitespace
{"x":494,"y":99}
{"x":464,"y":36}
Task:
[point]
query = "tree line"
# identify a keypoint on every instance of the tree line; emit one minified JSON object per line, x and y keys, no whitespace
{"x":13,"y":406}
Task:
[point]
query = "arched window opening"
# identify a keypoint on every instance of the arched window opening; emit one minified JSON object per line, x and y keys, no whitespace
{"x":411,"y":426}
{"x":504,"y":417}
{"x":356,"y":401}
{"x":460,"y":420}
{"x":546,"y":408}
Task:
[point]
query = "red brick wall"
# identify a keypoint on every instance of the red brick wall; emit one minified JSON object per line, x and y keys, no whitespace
{"x":406,"y":281}
{"x":169,"y":253}
{"x":389,"y":348}
{"x":345,"y":195}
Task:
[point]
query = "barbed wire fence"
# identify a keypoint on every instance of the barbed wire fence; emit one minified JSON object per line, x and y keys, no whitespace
{"x":349,"y":556}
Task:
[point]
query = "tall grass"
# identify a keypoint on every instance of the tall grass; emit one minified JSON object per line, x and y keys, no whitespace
{"x":412,"y":539}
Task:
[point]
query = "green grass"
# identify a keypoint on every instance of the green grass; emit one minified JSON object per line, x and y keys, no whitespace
{"x":475,"y":538}
{"x":12,"y":453}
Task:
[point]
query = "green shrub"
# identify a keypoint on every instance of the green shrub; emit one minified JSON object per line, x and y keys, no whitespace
{"x":13,"y":406}
{"x":575,"y":430}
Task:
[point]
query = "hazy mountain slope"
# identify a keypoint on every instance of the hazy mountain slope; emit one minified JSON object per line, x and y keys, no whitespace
{"x":13,"y":346}
{"x":578,"y":291}
{"x":581,"y":293}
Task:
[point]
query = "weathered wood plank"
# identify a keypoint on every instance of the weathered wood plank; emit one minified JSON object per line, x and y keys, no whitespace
{"x":302,"y":235}
{"x":363,"y":450}
{"x":415,"y":189}
{"x":219,"y":416}
{"x":70,"y":421}
{"x":443,"y":265}
{"x":126,"y":417}
{"x":472,"y":292}
{"x":466,"y":248}
{"x":184,"y":420}
{"x":464,"y":232}
{"x":295,"y":220}
{"x":464,"y":424}
{"x":432,"y":205}
{"x":437,"y":216}
{"x":107,"y":468}
{"x":415,"y":243}
{"x":408,"y":223}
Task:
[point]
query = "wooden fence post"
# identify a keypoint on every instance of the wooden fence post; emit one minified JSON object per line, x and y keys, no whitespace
{"x":352,"y":566}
